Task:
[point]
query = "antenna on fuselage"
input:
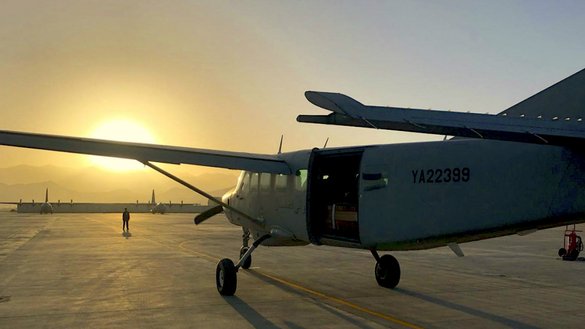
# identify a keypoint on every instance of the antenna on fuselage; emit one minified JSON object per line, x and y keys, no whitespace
{"x":280,"y":146}
{"x":327,"y":140}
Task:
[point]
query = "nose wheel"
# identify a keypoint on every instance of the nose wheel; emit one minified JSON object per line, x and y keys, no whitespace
{"x":387,"y":270}
{"x":226,"y":278}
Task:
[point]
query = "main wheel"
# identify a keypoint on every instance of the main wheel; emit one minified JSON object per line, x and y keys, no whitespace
{"x":248,"y":260}
{"x":562,"y":252}
{"x":387,"y":271}
{"x":226,"y":279}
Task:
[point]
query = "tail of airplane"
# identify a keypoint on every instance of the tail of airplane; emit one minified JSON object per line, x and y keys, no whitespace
{"x":562,"y":100}
{"x":47,"y":195}
{"x":153,"y":201}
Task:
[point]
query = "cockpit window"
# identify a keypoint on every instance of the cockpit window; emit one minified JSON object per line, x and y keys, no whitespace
{"x":245,"y":178}
{"x":254,"y":182}
{"x":241,"y":184}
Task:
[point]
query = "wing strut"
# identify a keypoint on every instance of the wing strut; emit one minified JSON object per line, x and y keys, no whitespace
{"x":253,"y":220}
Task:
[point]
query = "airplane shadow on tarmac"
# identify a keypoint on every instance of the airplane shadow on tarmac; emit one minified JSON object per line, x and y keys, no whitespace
{"x":466,"y":309}
{"x":251,"y":315}
{"x":319,"y":303}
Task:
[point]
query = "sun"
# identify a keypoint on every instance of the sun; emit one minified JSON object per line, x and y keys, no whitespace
{"x":120,"y":130}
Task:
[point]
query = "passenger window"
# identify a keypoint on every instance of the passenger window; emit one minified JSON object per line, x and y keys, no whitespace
{"x":374,"y":181}
{"x":301,"y":180}
{"x":280,"y":184}
{"x":265,"y":182}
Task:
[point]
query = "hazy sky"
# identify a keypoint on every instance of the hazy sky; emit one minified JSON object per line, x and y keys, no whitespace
{"x":231,"y":74}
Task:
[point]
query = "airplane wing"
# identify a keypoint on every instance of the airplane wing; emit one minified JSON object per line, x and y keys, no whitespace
{"x":346,"y":111}
{"x":147,"y":152}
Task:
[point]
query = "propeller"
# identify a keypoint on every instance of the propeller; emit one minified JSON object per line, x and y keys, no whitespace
{"x":208,"y":214}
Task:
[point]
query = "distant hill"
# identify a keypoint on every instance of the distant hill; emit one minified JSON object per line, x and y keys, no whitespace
{"x":90,"y":184}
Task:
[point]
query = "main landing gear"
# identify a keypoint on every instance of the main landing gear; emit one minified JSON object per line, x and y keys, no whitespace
{"x":387,"y":270}
{"x":226,"y":278}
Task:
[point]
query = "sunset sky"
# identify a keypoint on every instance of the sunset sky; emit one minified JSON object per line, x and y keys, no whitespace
{"x":231,"y":74}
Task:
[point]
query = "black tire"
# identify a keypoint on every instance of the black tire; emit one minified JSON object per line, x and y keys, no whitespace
{"x":248,"y":262}
{"x":387,"y":272}
{"x":562,"y":252}
{"x":573,"y":255}
{"x":226,"y":279}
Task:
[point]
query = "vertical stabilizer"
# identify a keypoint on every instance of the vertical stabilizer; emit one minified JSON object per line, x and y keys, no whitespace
{"x":47,"y":195}
{"x":564,"y":99}
{"x":153,"y":201}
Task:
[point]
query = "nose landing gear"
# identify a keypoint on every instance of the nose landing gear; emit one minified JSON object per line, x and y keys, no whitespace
{"x":226,"y":278}
{"x":244,"y":249}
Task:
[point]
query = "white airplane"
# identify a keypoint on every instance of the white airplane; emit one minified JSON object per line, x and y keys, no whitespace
{"x":512,"y":173}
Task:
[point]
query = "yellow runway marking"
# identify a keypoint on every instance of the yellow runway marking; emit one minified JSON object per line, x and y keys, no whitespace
{"x":315,"y":293}
{"x":341,"y":301}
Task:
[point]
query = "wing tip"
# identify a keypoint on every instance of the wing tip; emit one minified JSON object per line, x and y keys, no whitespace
{"x":335,"y":102}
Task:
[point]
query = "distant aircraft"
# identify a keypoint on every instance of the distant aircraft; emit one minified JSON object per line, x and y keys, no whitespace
{"x":513,"y":173}
{"x":157,"y":208}
{"x":46,"y":207}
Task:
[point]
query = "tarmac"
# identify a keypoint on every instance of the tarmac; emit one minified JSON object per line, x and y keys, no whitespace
{"x":80,"y":271}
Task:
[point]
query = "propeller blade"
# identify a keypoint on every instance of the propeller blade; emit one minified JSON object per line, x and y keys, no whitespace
{"x":208,"y":214}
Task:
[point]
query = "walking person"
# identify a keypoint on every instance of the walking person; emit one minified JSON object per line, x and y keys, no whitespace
{"x":125,"y":220}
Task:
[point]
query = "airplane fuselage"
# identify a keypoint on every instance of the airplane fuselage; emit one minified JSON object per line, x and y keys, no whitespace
{"x":400,"y":197}
{"x":46,"y":208}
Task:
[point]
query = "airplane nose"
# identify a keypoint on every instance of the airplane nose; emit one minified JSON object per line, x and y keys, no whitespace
{"x":226,"y":198}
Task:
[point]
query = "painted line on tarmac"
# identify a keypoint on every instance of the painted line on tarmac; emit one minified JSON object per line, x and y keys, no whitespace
{"x":202,"y":255}
{"x":340,"y":301}
{"x":309,"y":291}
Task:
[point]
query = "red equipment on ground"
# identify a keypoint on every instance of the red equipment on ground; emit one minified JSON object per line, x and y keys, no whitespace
{"x":572,"y":244}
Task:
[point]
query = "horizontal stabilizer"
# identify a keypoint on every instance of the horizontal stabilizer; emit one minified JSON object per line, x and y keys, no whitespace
{"x":147,"y":152}
{"x":348,"y":112}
